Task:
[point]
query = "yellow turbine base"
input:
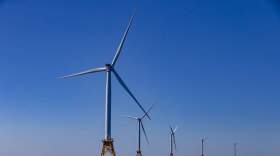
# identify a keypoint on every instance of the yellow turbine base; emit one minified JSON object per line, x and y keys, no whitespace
{"x":138,"y":153}
{"x":108,"y":147}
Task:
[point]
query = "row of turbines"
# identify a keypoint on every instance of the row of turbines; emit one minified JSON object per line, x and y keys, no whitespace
{"x":109,"y":70}
{"x":203,"y":142}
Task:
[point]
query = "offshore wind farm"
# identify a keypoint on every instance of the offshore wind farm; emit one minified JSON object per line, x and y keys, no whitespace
{"x":108,"y":146}
{"x":109,"y":68}
{"x":103,"y":78}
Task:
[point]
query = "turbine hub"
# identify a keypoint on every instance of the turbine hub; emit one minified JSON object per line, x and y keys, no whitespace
{"x":108,"y":67}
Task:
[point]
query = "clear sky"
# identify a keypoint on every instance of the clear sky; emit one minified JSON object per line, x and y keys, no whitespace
{"x":210,"y":66}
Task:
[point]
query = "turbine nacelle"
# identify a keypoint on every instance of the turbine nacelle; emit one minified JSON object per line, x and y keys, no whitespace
{"x":108,"y":67}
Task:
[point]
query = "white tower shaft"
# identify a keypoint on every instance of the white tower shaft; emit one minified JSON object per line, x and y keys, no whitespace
{"x":108,"y":104}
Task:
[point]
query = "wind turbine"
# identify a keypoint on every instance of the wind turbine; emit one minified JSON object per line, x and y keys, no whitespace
{"x":172,"y":140}
{"x":108,"y":69}
{"x":202,"y":146}
{"x":141,"y":126}
{"x":235,"y":149}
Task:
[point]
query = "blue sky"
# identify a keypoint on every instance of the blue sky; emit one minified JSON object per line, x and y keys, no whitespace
{"x":211,"y":67}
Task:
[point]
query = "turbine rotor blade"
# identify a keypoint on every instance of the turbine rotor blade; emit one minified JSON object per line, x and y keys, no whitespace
{"x":128,"y":91}
{"x":176,"y":129}
{"x":144,"y":131}
{"x":147,"y":112}
{"x":122,"y":41}
{"x":132,"y":117}
{"x":171,"y":129}
{"x":174,"y":141}
{"x":93,"y":70}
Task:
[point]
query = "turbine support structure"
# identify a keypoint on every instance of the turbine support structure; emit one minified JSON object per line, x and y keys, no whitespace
{"x":108,"y":103}
{"x":138,"y":153}
{"x":171,"y":145}
{"x":202,"y":145}
{"x":108,"y":145}
{"x":235,"y":149}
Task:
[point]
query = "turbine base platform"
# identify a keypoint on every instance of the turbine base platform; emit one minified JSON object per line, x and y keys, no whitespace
{"x":108,"y":147}
{"x":138,"y":153}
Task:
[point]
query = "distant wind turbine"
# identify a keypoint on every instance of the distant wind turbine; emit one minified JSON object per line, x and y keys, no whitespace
{"x":172,"y":139}
{"x":235,"y":149}
{"x":141,"y":126}
{"x":202,"y":145}
{"x":108,"y":69}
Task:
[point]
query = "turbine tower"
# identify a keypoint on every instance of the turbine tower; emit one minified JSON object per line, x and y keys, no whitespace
{"x":235,"y":149}
{"x":172,"y":140}
{"x":141,"y":126}
{"x":108,"y":69}
{"x":202,"y":146}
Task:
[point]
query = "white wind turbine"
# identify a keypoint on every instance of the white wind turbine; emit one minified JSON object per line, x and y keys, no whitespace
{"x":108,"y":69}
{"x":202,"y":145}
{"x":141,"y":126}
{"x":172,"y":139}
